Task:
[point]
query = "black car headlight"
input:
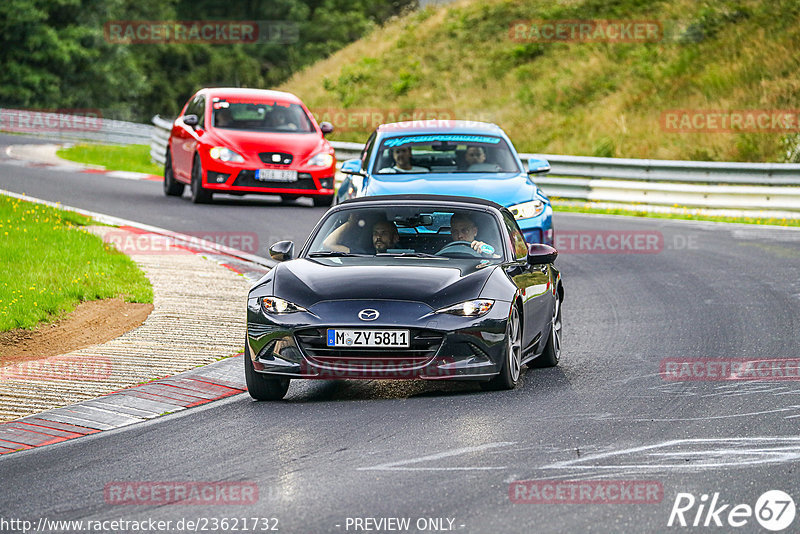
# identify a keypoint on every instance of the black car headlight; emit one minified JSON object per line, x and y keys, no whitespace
{"x":279,"y":306}
{"x":469,"y":308}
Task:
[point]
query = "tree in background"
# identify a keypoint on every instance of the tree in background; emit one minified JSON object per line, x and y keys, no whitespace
{"x":55,"y":56}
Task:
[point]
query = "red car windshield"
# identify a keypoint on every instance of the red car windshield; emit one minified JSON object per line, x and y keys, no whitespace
{"x":260,"y":116}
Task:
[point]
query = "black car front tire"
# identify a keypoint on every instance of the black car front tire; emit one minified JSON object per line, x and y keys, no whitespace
{"x":263,"y":388}
{"x":509,"y":374}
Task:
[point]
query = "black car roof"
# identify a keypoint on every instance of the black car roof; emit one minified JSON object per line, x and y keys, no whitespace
{"x":429,"y":198}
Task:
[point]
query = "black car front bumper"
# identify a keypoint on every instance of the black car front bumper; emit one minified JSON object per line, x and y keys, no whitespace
{"x":443,"y":346}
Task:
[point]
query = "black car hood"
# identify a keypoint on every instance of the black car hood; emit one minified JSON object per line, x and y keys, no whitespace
{"x":437,"y":283}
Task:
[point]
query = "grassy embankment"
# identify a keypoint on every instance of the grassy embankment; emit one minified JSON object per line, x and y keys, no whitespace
{"x":579,"y":98}
{"x":51,"y":264}
{"x":591,"y":99}
{"x":134,"y":158}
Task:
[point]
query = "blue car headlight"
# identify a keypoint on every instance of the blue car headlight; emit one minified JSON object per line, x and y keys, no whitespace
{"x":527,"y":210}
{"x":279,"y":306}
{"x":469,"y":308}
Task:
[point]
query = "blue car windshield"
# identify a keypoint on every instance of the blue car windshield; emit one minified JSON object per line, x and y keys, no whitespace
{"x":445,"y":153}
{"x":409,"y":231}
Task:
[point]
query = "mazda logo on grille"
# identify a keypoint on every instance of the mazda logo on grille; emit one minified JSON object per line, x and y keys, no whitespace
{"x":368,"y":314}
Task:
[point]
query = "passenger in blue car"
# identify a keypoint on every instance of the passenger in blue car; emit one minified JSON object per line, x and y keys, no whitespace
{"x":402,"y":161}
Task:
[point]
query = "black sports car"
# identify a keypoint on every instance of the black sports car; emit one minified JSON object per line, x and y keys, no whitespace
{"x":405,"y":286}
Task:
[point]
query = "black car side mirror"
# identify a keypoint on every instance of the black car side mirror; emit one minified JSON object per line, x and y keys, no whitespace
{"x":541,"y":254}
{"x":191,"y":120}
{"x":326,"y":127}
{"x":282,"y":250}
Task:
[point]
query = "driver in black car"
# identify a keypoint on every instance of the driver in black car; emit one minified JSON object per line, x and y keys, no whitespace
{"x":463,"y":228}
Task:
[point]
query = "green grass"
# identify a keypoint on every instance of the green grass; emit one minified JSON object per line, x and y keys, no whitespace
{"x":592,"y":99}
{"x":588,"y":208}
{"x":51,"y":263}
{"x":134,"y":158}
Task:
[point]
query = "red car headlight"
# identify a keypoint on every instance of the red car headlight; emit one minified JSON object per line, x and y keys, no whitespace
{"x":225,"y":154}
{"x":323,"y":159}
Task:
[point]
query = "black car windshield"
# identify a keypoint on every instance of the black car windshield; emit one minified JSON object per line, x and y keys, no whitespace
{"x":444,"y":153}
{"x":266,"y":116}
{"x":409,"y":232}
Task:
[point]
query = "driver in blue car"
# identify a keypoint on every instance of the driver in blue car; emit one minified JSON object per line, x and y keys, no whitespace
{"x":463,"y":228}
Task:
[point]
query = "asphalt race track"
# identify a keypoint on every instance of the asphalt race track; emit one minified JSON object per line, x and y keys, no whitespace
{"x":444,"y":455}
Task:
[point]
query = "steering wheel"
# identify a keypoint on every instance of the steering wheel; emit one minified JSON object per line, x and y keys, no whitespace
{"x":460,"y":247}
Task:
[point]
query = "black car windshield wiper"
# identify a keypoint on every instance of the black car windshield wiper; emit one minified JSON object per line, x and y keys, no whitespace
{"x":334,"y":253}
{"x":409,"y":255}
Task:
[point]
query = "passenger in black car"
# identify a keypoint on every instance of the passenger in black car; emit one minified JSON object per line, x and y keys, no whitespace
{"x":351,"y":237}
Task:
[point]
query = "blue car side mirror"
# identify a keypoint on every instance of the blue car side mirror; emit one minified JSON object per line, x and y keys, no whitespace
{"x":538,"y":166}
{"x":352,"y":166}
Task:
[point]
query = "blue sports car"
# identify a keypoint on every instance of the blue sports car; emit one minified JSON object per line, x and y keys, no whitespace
{"x":461,"y":158}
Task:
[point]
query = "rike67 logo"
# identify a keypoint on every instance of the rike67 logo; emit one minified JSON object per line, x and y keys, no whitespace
{"x":774,"y":510}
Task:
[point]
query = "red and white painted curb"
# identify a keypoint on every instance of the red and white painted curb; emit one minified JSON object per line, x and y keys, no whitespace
{"x":146,"y":401}
{"x":129,"y":406}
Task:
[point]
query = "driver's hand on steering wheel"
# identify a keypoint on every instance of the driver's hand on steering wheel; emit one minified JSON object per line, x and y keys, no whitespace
{"x":484,"y":248}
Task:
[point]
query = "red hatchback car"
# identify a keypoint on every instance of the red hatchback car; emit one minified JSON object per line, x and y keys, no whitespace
{"x":249,"y":141}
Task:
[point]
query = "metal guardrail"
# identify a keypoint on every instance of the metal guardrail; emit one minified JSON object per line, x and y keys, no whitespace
{"x":767,"y":187}
{"x":159,"y":139}
{"x":73,"y":127}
